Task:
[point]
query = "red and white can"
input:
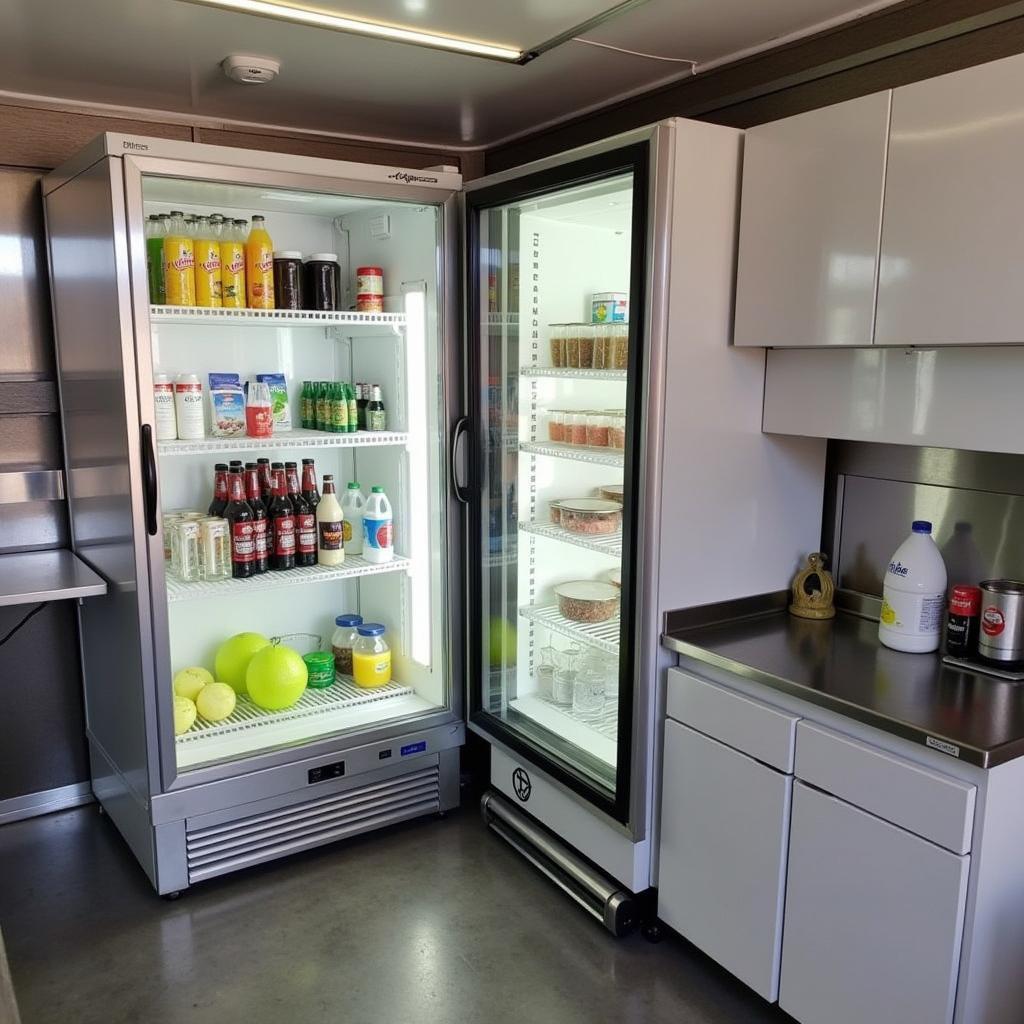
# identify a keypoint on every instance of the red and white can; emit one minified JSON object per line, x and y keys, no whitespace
{"x":370,"y":289}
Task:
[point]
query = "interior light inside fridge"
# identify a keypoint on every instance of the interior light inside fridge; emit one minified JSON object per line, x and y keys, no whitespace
{"x":418,"y":527}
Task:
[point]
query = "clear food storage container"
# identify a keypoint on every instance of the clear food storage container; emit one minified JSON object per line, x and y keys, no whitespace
{"x":557,"y":342}
{"x":587,"y":600}
{"x":617,"y":432}
{"x":556,"y":425}
{"x":602,"y":346}
{"x":611,"y":492}
{"x":597,"y":430}
{"x":590,"y":515}
{"x":619,"y":347}
{"x":576,"y":428}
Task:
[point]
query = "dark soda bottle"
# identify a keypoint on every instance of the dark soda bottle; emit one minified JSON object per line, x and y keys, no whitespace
{"x":305,"y":519}
{"x":362,"y":401}
{"x":220,"y":490}
{"x":282,"y":519}
{"x":240,"y":524}
{"x":309,"y":490}
{"x":261,"y":561}
{"x":266,"y":482}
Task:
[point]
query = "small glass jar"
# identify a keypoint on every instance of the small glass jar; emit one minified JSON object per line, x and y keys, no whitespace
{"x":602,"y":337}
{"x":597,"y":430}
{"x":577,"y":428}
{"x":343,"y":640}
{"x":589,"y":684}
{"x":617,"y":431}
{"x":557,"y":341}
{"x":546,"y":671}
{"x":556,"y":425}
{"x":620,"y":347}
{"x":215,"y":548}
{"x":586,"y":336}
{"x":189,"y":561}
{"x":565,"y":676}
{"x":572,"y":345}
{"x":371,"y":657}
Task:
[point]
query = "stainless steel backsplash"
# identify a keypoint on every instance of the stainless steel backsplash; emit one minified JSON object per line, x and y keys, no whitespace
{"x":975,"y":501}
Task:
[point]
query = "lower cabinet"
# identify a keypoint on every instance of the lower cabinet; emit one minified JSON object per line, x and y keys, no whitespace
{"x":724,"y":828}
{"x":873,"y":920}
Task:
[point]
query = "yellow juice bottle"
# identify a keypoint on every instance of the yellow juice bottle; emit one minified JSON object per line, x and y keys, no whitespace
{"x":371,"y":656}
{"x":259,"y":266}
{"x":232,"y":264}
{"x":207,"y":254}
{"x":179,"y":263}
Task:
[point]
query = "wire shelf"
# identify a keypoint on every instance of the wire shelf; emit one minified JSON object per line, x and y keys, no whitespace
{"x":604,"y":721}
{"x":353,"y":566}
{"x":572,"y":373}
{"x":282,"y":442}
{"x":578,"y":453}
{"x":344,"y":694}
{"x":274,"y":317}
{"x":606,"y":544}
{"x":602,"y":635}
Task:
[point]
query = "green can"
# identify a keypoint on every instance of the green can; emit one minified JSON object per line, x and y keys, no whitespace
{"x":321,"y":669}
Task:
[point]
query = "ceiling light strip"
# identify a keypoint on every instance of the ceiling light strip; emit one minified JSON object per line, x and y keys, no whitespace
{"x":341,"y":23}
{"x":584,"y":26}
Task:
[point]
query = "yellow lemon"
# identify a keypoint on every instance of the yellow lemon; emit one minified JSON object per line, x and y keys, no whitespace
{"x":189,"y":681}
{"x":216,"y":701}
{"x":184,"y":715}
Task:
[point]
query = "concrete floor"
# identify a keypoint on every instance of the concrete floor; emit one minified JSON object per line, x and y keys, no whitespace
{"x":434,"y":921}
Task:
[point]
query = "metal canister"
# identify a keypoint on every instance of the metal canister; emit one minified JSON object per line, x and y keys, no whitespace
{"x":1002,"y":621}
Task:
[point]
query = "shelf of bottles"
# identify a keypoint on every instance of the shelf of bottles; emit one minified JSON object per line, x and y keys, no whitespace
{"x":602,"y":635}
{"x":578,"y":453}
{"x":606,"y":544}
{"x":205,"y":315}
{"x":293,"y":439}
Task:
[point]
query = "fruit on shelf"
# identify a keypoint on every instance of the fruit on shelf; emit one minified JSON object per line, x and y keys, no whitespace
{"x":233,"y":657}
{"x":189,"y":681}
{"x":503,"y":643}
{"x":184,"y":715}
{"x":216,"y":701}
{"x":276,"y":677}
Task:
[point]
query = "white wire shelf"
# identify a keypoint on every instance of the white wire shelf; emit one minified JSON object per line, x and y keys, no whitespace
{"x":282,"y":442}
{"x":203,"y":315}
{"x":606,"y":543}
{"x":353,"y":567}
{"x":596,"y":732}
{"x":602,"y":635}
{"x":246,"y":717}
{"x":572,"y":373}
{"x":578,"y":453}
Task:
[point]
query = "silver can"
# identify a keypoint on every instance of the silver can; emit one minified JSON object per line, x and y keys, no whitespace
{"x":215,"y":544}
{"x":1001,"y":637}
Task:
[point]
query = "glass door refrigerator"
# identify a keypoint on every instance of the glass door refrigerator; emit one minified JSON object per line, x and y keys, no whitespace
{"x":198,"y":791}
{"x":621,"y":473}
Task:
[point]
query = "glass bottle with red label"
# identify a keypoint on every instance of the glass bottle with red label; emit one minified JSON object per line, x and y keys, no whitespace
{"x":220,"y":490}
{"x":261,"y":562}
{"x":282,"y":522}
{"x":305,"y":519}
{"x":240,"y":522}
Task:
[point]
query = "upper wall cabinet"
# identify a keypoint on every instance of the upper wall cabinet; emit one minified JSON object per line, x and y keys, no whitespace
{"x":953,"y":225}
{"x":809,"y":226}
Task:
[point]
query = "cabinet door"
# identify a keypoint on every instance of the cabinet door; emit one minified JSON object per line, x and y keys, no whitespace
{"x":724,"y":827}
{"x":954,"y":222}
{"x":874,"y":917}
{"x":809,"y":226}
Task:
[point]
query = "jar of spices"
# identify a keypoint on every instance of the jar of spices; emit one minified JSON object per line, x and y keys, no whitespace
{"x":343,"y":640}
{"x":556,"y":425}
{"x":597,"y":430}
{"x":323,"y":281}
{"x":288,"y":280}
{"x":572,"y":345}
{"x":557,"y":342}
{"x":964,"y":621}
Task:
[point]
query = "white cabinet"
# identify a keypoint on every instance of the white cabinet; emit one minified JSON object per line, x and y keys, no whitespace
{"x":953,"y":224}
{"x":809,"y":226}
{"x":724,"y":824}
{"x":873,"y":922}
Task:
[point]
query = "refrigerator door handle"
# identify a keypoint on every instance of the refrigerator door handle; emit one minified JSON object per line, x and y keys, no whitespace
{"x":149,"y":478}
{"x":459,"y":464}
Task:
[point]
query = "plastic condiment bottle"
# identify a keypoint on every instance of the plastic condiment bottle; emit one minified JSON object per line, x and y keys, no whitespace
{"x":914,"y":594}
{"x":371,"y":656}
{"x":352,"y":504}
{"x":378,"y":530}
{"x":343,"y":640}
{"x":259,"y":266}
{"x":188,"y":407}
{"x":330,"y":525}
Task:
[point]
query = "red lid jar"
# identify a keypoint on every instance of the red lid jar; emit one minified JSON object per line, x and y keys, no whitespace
{"x":370,"y":289}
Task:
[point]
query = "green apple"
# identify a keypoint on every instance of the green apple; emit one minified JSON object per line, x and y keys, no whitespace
{"x":189,"y":681}
{"x":276,"y":678}
{"x":233,"y":658}
{"x":503,"y":641}
{"x":216,"y":701}
{"x":184,"y":715}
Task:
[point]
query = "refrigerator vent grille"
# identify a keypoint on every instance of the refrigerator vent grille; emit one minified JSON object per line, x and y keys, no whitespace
{"x":236,"y":844}
{"x":342,"y":695}
{"x":602,"y":635}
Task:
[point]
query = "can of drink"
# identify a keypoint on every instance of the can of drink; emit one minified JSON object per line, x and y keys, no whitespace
{"x":189,"y":567}
{"x":208,"y":281}
{"x":180,"y":270}
{"x":215,"y":545}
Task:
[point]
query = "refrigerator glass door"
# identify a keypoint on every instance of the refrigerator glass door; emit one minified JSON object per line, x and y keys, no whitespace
{"x":208,"y":583}
{"x":557,"y":291}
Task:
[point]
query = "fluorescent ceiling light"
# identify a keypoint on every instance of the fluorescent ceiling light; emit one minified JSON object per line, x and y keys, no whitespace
{"x":341,"y":23}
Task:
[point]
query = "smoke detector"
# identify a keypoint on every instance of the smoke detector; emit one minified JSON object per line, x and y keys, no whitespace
{"x":250,"y":70}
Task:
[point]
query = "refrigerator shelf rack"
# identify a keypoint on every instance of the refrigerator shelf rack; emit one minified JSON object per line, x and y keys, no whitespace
{"x":578,"y":453}
{"x":602,"y":635}
{"x":282,"y":442}
{"x":344,"y":694}
{"x":596,"y":733}
{"x":274,"y":317}
{"x":354,"y":566}
{"x":570,"y":373}
{"x":606,"y":544}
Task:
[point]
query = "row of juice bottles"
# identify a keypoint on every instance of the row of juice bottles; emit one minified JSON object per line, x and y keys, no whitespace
{"x":340,"y":407}
{"x":209,"y":261}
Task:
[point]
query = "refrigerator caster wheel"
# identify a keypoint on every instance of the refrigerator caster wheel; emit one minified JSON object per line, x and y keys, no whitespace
{"x":172,"y":896}
{"x":653,"y":932}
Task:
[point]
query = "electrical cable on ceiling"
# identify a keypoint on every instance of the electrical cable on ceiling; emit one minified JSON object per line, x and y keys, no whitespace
{"x":35,"y":611}
{"x":637,"y":53}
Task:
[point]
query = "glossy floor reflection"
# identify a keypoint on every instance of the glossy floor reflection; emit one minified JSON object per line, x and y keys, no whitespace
{"x":431,"y":921}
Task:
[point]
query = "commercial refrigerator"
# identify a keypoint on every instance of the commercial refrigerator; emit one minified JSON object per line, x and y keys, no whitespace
{"x":537,"y":438}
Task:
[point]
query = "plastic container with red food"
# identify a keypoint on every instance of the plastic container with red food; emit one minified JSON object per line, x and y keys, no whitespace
{"x":593,"y":516}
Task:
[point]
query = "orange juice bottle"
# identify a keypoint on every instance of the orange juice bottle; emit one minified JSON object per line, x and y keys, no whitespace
{"x":259,"y":266}
{"x":179,"y":263}
{"x":232,"y":264}
{"x":207,"y":255}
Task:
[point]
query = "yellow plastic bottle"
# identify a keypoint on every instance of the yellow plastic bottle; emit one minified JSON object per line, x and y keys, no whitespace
{"x":179,"y":263}
{"x":207,"y":254}
{"x":259,"y":266}
{"x":371,"y":656}
{"x":232,"y":264}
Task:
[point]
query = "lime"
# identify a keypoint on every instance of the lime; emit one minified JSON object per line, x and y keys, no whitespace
{"x":216,"y":701}
{"x":233,"y":658}
{"x":184,"y":715}
{"x":275,"y":678}
{"x":503,"y":641}
{"x":189,"y":681}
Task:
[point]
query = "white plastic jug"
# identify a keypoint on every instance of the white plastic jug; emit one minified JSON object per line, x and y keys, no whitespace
{"x":378,"y":529}
{"x":914,"y":594}
{"x":353,"y":502}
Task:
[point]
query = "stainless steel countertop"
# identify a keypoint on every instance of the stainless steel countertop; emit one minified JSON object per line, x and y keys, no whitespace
{"x":840,"y":665}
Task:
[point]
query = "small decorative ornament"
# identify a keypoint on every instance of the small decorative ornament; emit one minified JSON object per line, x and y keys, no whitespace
{"x":813,"y":590}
